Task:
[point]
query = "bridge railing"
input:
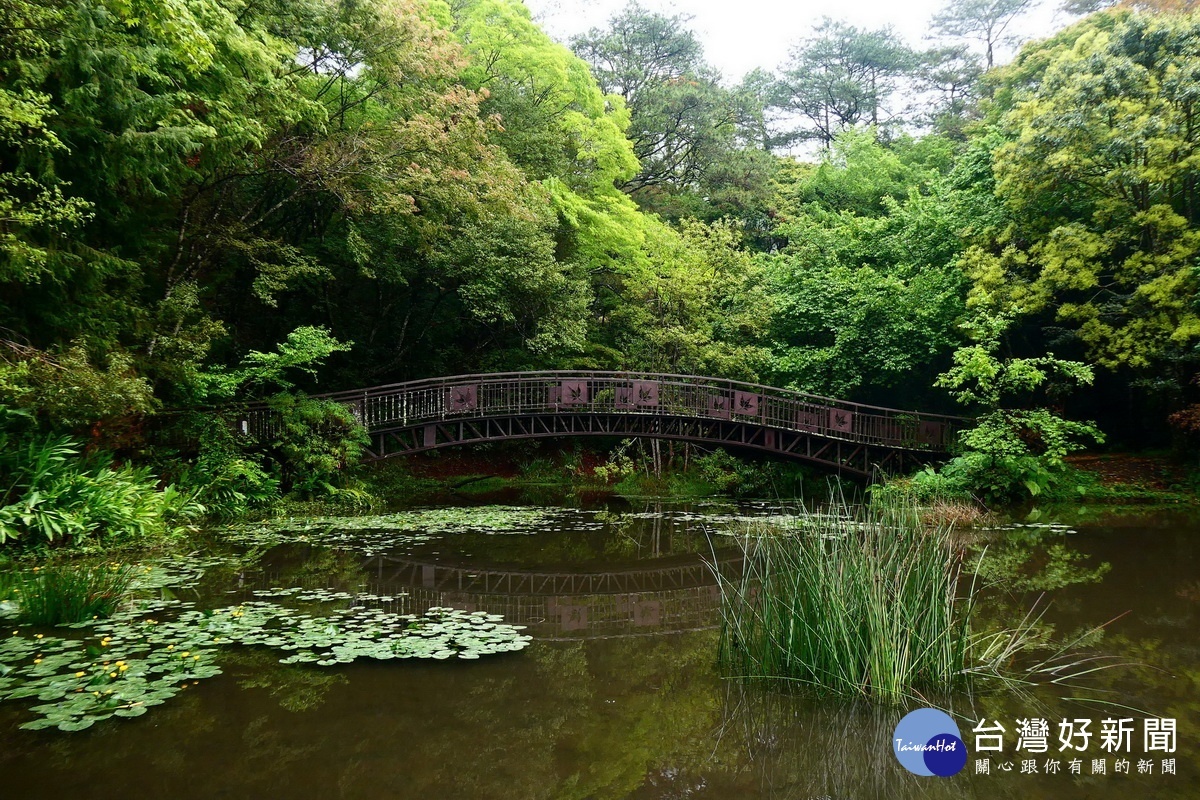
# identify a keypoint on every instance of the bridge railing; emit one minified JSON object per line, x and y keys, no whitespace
{"x":415,"y":403}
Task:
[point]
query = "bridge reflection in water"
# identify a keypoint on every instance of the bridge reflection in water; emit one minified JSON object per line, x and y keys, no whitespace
{"x":678,"y":593}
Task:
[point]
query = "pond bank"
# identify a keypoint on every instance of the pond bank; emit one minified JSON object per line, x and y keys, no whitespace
{"x":578,"y":470}
{"x":548,"y":473}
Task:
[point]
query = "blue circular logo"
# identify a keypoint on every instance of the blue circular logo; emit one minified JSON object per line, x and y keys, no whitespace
{"x":927,"y":742}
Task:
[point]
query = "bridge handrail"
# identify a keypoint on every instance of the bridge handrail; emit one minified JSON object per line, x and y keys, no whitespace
{"x":494,"y":395}
{"x":687,"y":380}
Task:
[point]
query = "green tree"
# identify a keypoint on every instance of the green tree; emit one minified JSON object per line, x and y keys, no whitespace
{"x":867,"y":291}
{"x":985,"y":21}
{"x":556,"y":121}
{"x":1098,"y":174}
{"x":1155,"y":6}
{"x":696,"y":305}
{"x":951,"y":75}
{"x":686,"y":128}
{"x":1017,"y":446}
{"x":33,"y":208}
{"x":842,"y":77}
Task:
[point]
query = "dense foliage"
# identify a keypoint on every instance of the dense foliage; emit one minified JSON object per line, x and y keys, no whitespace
{"x":205,"y":202}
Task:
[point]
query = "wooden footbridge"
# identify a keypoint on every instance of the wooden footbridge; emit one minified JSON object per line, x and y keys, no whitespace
{"x":428,"y":414}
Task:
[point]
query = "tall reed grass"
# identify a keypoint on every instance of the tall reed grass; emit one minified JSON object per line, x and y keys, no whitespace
{"x":870,"y":603}
{"x":68,"y":594}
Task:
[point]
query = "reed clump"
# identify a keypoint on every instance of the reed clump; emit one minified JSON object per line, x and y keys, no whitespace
{"x":68,"y":594}
{"x":869,"y":603}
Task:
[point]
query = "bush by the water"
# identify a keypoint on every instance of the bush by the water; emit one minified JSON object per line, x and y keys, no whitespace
{"x":307,"y":456}
{"x":54,"y":492}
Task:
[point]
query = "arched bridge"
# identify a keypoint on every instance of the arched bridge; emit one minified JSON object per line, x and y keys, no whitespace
{"x":411,"y":417}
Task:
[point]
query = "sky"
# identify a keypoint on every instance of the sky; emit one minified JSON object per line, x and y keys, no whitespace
{"x":739,"y":35}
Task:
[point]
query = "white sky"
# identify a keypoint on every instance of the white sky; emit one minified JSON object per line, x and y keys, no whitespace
{"x":739,"y":35}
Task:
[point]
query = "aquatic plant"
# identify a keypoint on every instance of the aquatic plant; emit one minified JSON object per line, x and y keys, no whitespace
{"x":375,"y":534}
{"x":141,"y":657}
{"x":871,"y":604}
{"x":71,"y":593}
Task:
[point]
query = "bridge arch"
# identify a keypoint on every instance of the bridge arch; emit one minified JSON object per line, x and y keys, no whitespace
{"x":433,"y":413}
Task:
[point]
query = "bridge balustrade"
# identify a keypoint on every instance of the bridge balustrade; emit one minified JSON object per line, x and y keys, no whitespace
{"x":490,"y":396}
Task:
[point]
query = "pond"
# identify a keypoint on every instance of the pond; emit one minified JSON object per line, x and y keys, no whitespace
{"x":618,"y":693}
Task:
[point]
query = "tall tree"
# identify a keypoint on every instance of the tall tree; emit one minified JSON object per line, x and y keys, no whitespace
{"x":676,"y":107}
{"x":987,"y":22}
{"x":841,"y":77}
{"x":684,"y":124}
{"x":555,"y":121}
{"x":951,"y":76}
{"x":33,"y":207}
{"x":1100,"y":177}
{"x":867,"y":291}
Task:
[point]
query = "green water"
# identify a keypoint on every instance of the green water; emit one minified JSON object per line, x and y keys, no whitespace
{"x":618,"y":695}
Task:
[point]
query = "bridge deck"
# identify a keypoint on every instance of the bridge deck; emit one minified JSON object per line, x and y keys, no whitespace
{"x":440,"y":412}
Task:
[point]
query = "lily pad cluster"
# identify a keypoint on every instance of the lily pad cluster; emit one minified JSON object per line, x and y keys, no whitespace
{"x":159,"y":644}
{"x":80,"y":682}
{"x":1044,"y":528}
{"x":325,"y":595}
{"x":764,"y":520}
{"x":132,"y":661}
{"x":177,"y":571}
{"x":376,"y":534}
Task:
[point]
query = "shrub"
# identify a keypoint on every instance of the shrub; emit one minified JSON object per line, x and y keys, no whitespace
{"x":56,"y":493}
{"x":227,"y":480}
{"x":316,"y":441}
{"x":67,"y":390}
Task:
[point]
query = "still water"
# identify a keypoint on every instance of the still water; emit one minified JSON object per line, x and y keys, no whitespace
{"x":619,"y":694}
